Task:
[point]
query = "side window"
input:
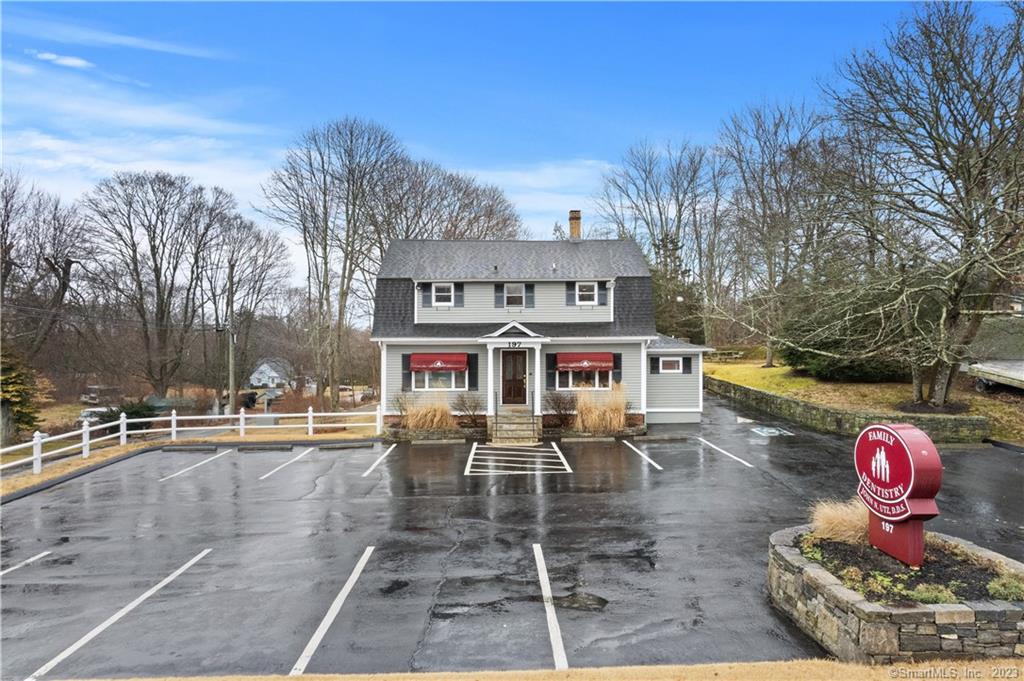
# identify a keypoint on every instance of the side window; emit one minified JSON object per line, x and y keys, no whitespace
{"x":515,"y":295}
{"x":586,"y":293}
{"x":671,"y":365}
{"x":443,"y":294}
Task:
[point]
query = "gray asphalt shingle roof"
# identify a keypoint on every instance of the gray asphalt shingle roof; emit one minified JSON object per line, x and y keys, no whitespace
{"x":437,"y":260}
{"x":668,"y":343}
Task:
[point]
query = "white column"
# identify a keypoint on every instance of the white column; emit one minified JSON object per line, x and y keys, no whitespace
{"x":643,"y":378}
{"x":700,"y":382}
{"x":174,"y":425}
{"x":536,"y":380}
{"x":124,"y":429}
{"x":490,"y":380}
{"x":85,"y":438}
{"x":309,"y":420}
{"x":381,"y":394}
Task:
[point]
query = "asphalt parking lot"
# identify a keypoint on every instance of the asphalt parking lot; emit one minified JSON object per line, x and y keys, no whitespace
{"x":188,"y":563}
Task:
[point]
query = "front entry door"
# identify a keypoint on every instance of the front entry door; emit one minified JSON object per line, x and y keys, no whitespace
{"x":513,"y":377}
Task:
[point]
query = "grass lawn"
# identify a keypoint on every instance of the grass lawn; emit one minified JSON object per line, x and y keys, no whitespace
{"x":1004,"y":410}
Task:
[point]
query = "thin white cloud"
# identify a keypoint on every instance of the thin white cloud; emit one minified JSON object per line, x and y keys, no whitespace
{"x":545,"y":192}
{"x":70,"y":99}
{"x":75,"y":34}
{"x":61,"y":59}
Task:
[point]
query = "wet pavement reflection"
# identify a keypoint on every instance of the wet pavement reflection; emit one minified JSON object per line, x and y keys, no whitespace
{"x":646,"y":566}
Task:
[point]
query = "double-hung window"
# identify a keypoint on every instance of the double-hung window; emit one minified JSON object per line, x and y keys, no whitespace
{"x":515,"y":295}
{"x":444,"y":294}
{"x":586,"y":293}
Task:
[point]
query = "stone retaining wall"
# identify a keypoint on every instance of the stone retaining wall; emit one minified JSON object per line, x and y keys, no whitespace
{"x":939,"y":427}
{"x":855,"y":630}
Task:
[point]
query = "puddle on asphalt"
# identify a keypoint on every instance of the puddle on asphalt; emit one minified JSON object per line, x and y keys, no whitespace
{"x":395,"y":585}
{"x":580,"y":600}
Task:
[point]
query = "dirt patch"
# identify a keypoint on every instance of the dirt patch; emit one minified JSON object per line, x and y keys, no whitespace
{"x":925,"y":408}
{"x":882,"y":578}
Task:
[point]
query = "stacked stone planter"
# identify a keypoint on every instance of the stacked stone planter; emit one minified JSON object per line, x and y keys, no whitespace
{"x":853,"y":629}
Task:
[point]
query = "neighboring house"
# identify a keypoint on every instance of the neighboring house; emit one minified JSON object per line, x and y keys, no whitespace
{"x":514,"y":320}
{"x":270,"y":373}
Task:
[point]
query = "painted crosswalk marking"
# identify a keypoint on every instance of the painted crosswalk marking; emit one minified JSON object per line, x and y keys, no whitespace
{"x":493,"y":459}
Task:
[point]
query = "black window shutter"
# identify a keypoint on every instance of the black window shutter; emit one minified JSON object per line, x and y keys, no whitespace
{"x":427,"y":291}
{"x":687,"y":365}
{"x":549,"y":364}
{"x":499,"y":295}
{"x":459,"y":298}
{"x":406,"y":374}
{"x":655,"y":366}
{"x":617,"y":367}
{"x":602,"y":293}
{"x":471,"y":364}
{"x":570,"y":293}
{"x":529,"y":295}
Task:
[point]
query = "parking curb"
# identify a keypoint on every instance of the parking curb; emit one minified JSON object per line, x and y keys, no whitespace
{"x":43,"y":486}
{"x":1006,"y":445}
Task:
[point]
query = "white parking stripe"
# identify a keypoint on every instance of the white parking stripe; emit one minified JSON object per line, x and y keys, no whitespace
{"x":24,"y":562}
{"x":267,"y":475}
{"x":115,"y":617}
{"x":507,"y":464}
{"x":562,"y":457}
{"x":469,"y":461}
{"x":534,"y":453}
{"x":642,"y":455}
{"x":382,"y":456}
{"x":197,"y":465}
{"x":504,"y":455}
{"x":332,"y":612}
{"x":717,"y":448}
{"x":554,"y":631}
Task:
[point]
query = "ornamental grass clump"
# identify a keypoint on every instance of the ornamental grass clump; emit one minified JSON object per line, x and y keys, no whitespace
{"x":436,"y":415}
{"x":845,"y":521}
{"x":602,"y":412}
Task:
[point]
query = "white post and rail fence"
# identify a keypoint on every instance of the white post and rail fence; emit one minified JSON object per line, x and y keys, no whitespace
{"x":81,"y":441}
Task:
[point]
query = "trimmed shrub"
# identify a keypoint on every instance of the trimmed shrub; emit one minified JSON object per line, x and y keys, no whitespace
{"x":132,"y":410}
{"x":563,"y":405}
{"x":471,"y":405}
{"x":845,"y":521}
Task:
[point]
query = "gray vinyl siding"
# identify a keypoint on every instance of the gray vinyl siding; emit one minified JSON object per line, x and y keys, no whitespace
{"x":655,"y":417}
{"x":674,"y":391}
{"x":549,"y":306}
{"x":630,"y":366}
{"x":394,"y":375}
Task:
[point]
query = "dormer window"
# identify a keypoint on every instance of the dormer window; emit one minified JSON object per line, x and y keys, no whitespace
{"x":586,"y":293}
{"x":443,"y":294}
{"x":515,"y":295}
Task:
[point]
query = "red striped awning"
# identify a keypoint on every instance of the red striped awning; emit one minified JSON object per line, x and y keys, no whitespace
{"x":567,"y":361}
{"x":438,"y":361}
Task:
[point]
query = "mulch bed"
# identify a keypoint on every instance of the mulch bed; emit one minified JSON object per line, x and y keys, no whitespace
{"x":942,"y":565}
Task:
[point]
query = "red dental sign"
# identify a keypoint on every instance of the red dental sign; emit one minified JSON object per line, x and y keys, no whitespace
{"x":898,"y":473}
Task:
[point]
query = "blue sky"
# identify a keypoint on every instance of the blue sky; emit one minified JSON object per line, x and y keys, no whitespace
{"x":538,"y":98}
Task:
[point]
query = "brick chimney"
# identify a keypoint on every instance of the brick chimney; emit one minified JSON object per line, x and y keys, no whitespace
{"x":575,"y":229}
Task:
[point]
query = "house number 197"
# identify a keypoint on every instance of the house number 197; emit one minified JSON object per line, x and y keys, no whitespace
{"x":887,"y":527}
{"x":515,"y":344}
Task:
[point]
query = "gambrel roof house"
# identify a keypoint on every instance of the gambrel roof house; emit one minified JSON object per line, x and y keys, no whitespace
{"x":515,"y":320}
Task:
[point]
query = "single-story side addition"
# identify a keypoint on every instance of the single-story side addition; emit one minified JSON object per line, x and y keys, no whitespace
{"x":506,"y":323}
